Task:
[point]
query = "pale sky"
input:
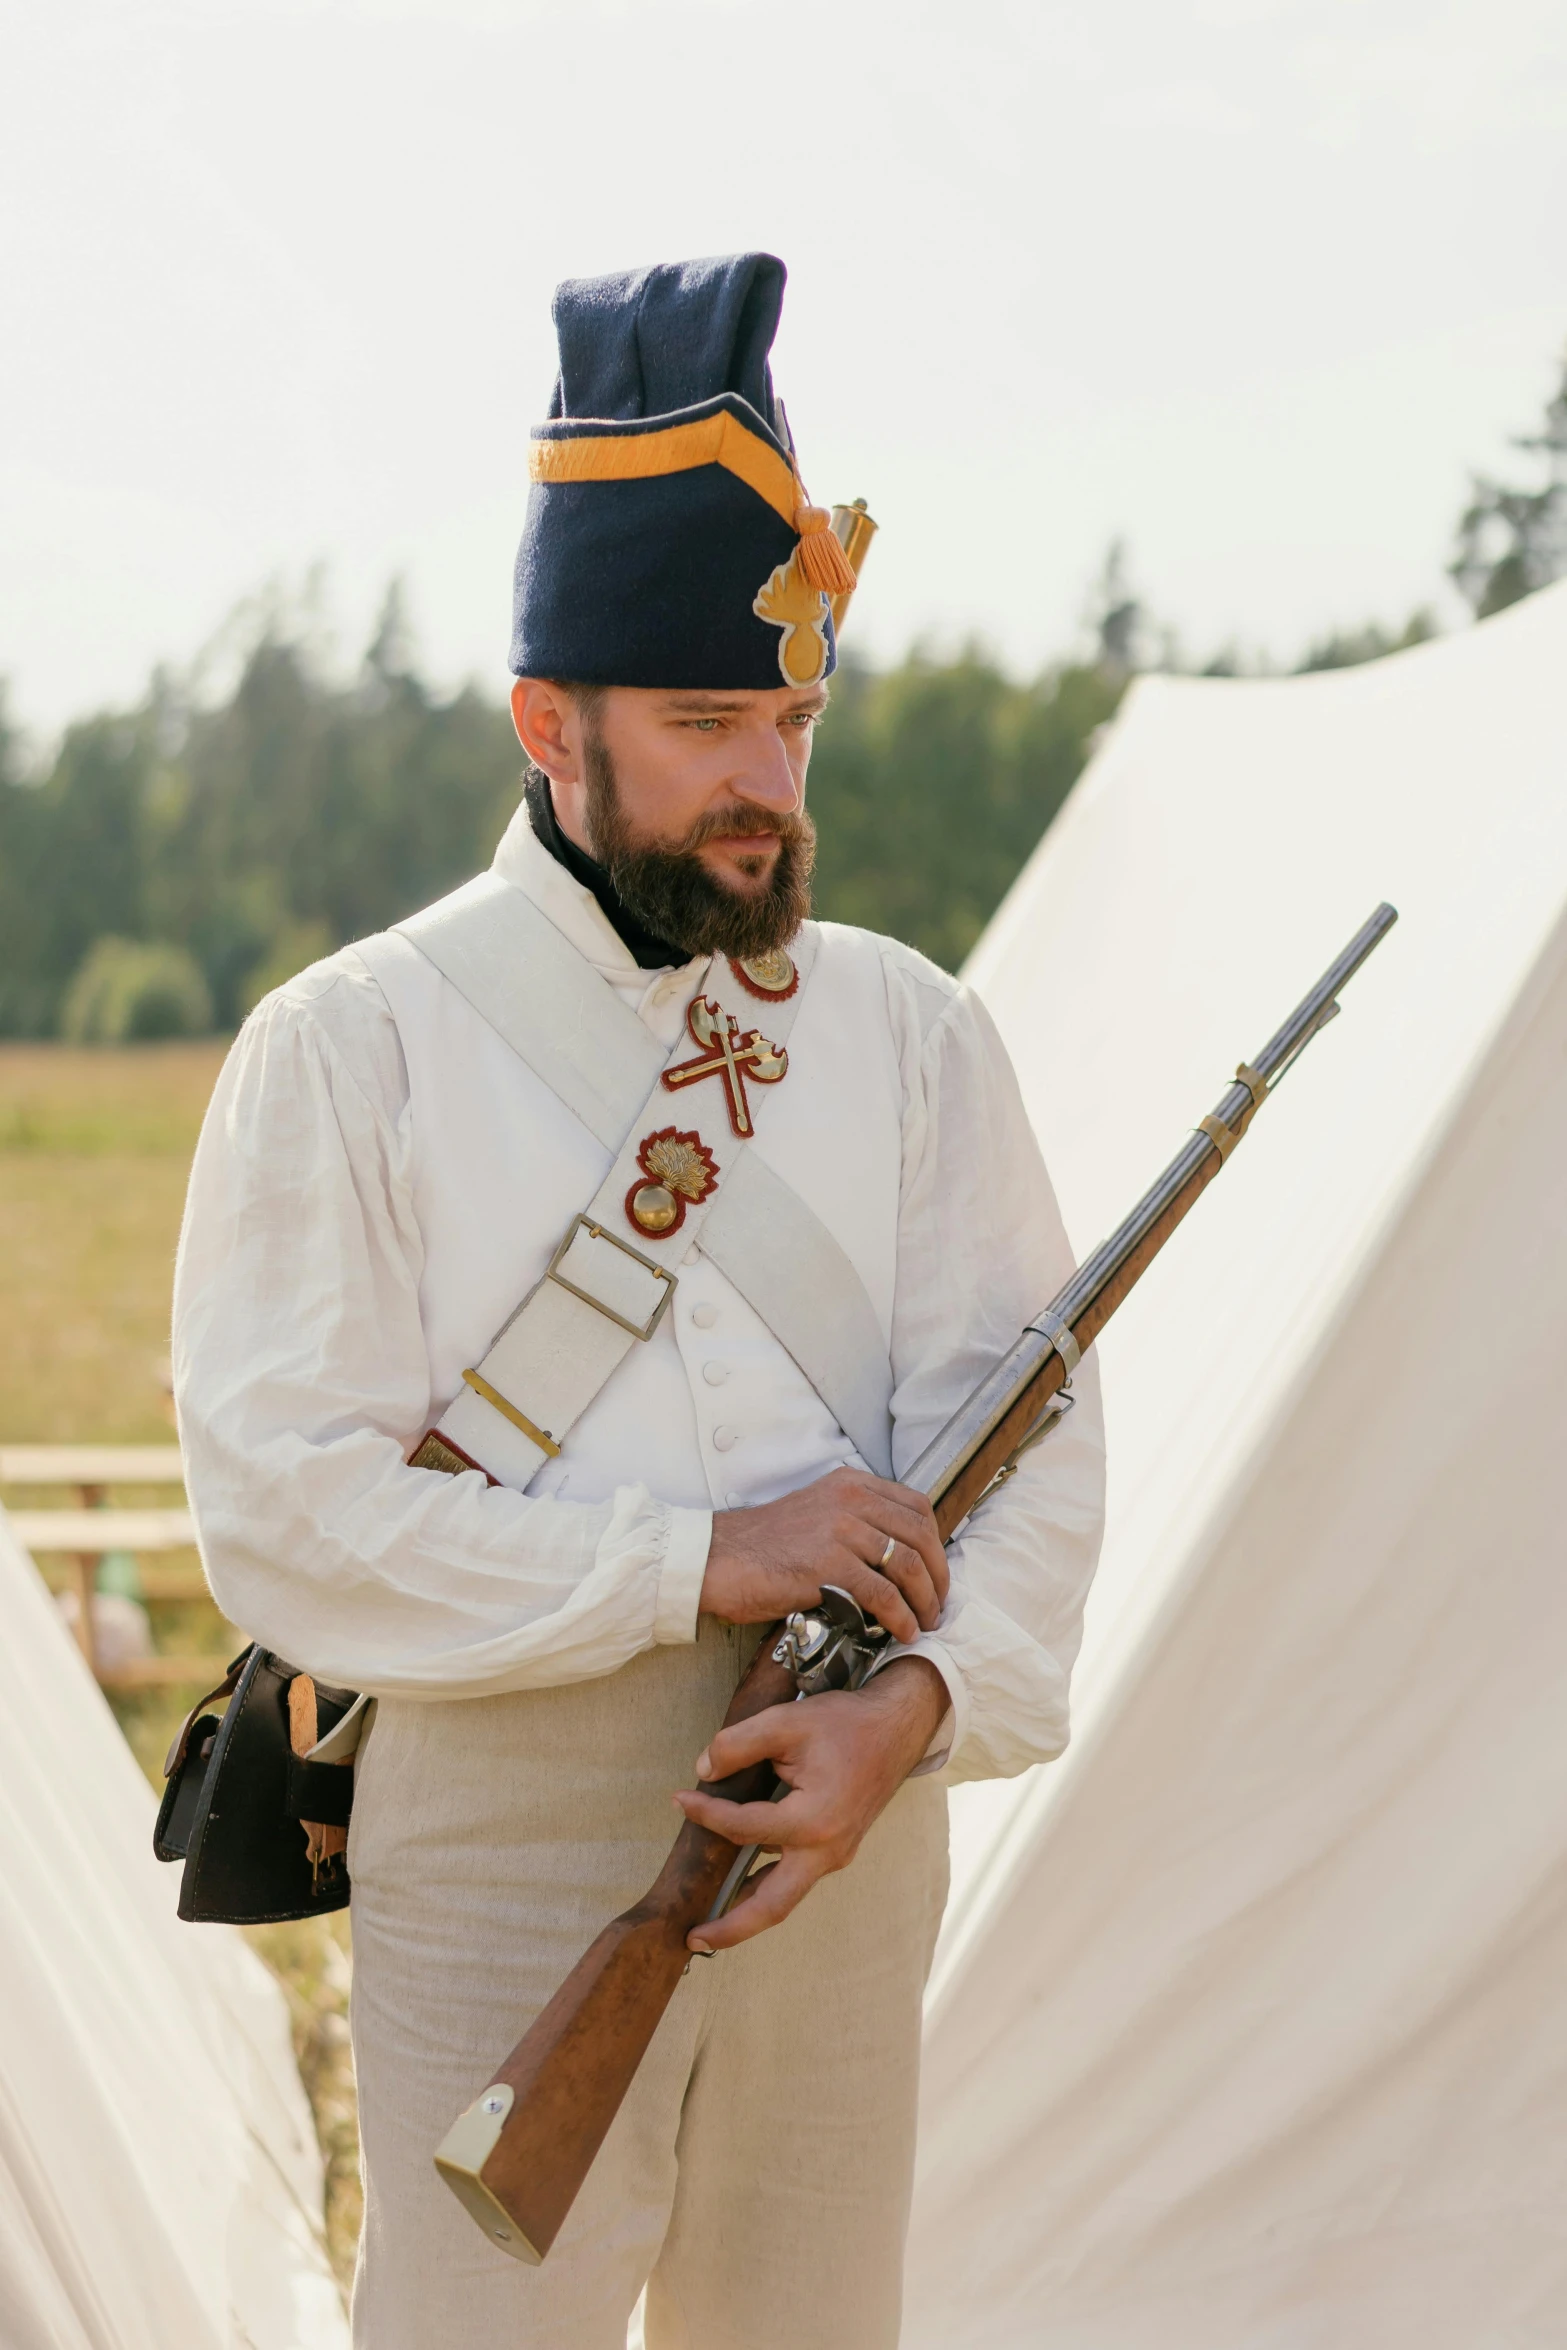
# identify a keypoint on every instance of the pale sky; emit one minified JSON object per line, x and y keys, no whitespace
{"x":1253,"y":283}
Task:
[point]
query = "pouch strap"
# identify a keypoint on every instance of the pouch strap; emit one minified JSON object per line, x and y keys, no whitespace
{"x":320,"y":1791}
{"x":225,"y":1688}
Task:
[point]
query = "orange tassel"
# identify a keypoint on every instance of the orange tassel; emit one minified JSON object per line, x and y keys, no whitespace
{"x":820,"y":556}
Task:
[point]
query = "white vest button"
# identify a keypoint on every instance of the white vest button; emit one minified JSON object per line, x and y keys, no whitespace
{"x":734,"y":1501}
{"x":704,"y":1316}
{"x":715,"y":1373}
{"x":724,"y":1439}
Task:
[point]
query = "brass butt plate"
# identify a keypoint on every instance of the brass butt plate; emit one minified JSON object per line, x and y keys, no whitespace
{"x":460,"y":2158}
{"x":482,"y":2208}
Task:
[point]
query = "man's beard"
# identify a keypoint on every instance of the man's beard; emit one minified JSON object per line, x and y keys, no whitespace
{"x":674,"y":895}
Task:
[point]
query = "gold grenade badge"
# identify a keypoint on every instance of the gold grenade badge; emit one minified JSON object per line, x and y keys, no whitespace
{"x":679,"y":1170}
{"x":788,"y":601}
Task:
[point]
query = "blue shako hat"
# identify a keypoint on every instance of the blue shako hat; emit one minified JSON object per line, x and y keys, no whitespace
{"x":668,"y":539}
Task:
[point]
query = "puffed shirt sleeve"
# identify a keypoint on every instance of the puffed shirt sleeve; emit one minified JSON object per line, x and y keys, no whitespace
{"x":981,"y":1248}
{"x":301,"y":1381}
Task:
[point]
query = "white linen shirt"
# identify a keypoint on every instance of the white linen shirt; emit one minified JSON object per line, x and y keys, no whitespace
{"x":373,"y":1193}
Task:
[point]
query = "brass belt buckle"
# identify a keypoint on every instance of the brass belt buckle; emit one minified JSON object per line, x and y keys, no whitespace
{"x":670,"y":1281}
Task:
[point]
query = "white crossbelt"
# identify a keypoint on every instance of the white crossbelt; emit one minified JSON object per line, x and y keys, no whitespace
{"x":608,"y":1285}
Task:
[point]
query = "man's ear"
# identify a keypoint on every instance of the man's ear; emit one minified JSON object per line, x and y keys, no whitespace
{"x":548,"y":728}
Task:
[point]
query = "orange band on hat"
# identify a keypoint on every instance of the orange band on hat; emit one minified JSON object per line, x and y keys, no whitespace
{"x":720,"y":439}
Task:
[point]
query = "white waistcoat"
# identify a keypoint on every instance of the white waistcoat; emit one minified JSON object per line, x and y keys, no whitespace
{"x":711,"y":1411}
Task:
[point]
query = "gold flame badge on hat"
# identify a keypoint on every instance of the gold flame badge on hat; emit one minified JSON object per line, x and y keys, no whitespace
{"x":800,"y":610}
{"x":798,"y":596}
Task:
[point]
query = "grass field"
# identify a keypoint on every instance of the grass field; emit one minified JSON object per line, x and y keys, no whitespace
{"x":95,"y":1147}
{"x":94,"y":1151}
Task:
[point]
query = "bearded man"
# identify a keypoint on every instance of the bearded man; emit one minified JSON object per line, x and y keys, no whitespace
{"x":767,"y":1193}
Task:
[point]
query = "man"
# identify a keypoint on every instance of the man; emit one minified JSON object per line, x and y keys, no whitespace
{"x":768,"y":1193}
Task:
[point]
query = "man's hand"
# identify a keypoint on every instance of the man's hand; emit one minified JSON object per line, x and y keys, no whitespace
{"x":845,"y":1755}
{"x":767,"y":1561}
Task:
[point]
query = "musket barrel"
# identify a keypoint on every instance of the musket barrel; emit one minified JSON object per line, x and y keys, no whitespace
{"x":940,"y":1465}
{"x":1234,"y":1110}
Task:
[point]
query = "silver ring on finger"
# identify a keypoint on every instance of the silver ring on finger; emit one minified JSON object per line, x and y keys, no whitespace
{"x":885,"y":1561}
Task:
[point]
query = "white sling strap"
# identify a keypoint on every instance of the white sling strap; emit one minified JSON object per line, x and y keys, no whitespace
{"x":608,"y":1285}
{"x":793,"y":1275}
{"x":529,"y":982}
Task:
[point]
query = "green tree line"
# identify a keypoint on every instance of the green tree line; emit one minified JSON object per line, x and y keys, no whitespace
{"x":180,"y":858}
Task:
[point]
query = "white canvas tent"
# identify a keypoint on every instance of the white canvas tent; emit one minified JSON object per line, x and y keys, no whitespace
{"x":1247,"y":2028}
{"x":160,"y":2184}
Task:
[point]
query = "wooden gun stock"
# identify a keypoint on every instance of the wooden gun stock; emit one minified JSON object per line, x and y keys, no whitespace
{"x":517,"y":2158}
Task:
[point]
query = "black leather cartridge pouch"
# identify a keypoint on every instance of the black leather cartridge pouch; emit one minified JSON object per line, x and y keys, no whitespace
{"x":237,"y":1795}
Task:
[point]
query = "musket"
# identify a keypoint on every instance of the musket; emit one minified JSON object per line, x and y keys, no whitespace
{"x":517,"y":2157}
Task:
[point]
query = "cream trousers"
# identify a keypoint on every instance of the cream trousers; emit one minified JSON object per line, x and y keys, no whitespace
{"x":757,"y":2178}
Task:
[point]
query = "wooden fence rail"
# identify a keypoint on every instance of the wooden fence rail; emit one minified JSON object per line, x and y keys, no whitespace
{"x":90,"y":1530}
